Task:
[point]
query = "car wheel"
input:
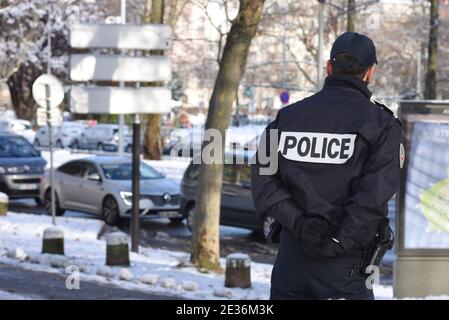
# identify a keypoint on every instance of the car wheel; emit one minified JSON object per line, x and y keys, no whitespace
{"x":75,"y":145}
{"x":38,"y":201}
{"x":176,"y":220}
{"x":100,"y":147}
{"x":189,"y":216}
{"x":110,"y":210}
{"x":58,"y":210}
{"x":266,"y":227}
{"x":59,"y":144}
{"x":129,"y":149}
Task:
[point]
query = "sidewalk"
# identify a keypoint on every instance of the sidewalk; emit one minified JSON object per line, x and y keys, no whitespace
{"x":29,"y":284}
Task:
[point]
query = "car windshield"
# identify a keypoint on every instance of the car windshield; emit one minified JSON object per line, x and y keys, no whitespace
{"x":123,"y":171}
{"x":16,"y":147}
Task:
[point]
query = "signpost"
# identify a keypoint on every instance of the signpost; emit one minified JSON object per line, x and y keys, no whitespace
{"x":121,"y":36}
{"x":44,"y":116}
{"x":284,"y":97}
{"x":92,"y":67}
{"x":48,"y":92}
{"x":116,"y":100}
{"x":421,"y":267}
{"x":121,"y":100}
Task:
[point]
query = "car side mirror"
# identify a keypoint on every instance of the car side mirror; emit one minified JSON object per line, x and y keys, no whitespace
{"x":94,"y":177}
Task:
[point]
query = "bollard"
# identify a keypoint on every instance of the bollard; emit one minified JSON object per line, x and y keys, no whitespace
{"x":53,"y":241}
{"x":238,"y":271}
{"x":117,"y":249}
{"x":3,"y":204}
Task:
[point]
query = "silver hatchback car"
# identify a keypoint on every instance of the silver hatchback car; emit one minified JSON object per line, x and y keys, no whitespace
{"x":102,"y":185}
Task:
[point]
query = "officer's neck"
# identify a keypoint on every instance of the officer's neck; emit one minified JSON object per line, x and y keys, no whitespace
{"x":348,"y":81}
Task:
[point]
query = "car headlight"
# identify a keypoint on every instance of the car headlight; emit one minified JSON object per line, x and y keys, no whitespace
{"x":2,"y":170}
{"x":127,"y":197}
{"x":14,"y":170}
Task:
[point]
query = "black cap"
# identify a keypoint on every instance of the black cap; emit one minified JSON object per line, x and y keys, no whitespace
{"x":358,"y":45}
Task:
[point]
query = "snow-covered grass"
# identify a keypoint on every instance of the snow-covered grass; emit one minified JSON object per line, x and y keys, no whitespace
{"x":152,"y":270}
{"x":173,"y":168}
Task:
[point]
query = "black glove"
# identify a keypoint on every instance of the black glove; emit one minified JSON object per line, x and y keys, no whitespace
{"x":316,"y":237}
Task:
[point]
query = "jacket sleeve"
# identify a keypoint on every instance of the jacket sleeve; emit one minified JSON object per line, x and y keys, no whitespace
{"x":270,"y":196}
{"x":378,"y":183}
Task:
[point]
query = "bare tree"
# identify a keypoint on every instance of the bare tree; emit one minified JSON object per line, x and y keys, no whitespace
{"x":351,"y":16}
{"x":205,"y":240}
{"x":153,"y":140}
{"x":432,"y":61}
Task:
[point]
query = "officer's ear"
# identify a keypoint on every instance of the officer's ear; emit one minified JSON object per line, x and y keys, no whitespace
{"x":329,"y":67}
{"x":369,"y":74}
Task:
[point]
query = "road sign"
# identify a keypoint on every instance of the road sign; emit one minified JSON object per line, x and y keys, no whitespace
{"x":116,"y":100}
{"x":284,"y":96}
{"x":42,"y":117}
{"x":121,"y":36}
{"x":89,"y":67}
{"x":48,"y":91}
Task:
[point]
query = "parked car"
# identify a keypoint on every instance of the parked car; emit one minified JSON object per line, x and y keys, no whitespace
{"x":21,"y":167}
{"x":240,"y":138}
{"x":68,"y":134}
{"x":42,"y":138}
{"x":102,"y":185}
{"x":104,"y":137}
{"x":18,"y":126}
{"x":237,"y":208}
{"x":173,"y":136}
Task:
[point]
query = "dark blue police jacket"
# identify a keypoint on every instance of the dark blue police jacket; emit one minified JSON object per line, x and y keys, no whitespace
{"x":338,"y":157}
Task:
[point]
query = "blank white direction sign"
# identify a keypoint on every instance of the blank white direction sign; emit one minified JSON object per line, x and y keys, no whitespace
{"x":90,"y":67}
{"x":115,"y":100}
{"x":121,"y":36}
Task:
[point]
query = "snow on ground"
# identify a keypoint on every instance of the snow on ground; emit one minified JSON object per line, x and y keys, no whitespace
{"x":12,"y":296}
{"x":62,"y":156}
{"x":153,"y":270}
{"x":172,"y":167}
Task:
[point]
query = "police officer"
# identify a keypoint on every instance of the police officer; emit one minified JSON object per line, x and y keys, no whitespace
{"x":339,"y":158}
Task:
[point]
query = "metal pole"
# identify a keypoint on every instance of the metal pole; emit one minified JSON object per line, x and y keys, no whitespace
{"x":50,"y":141}
{"x":135,"y":219}
{"x":121,"y":117}
{"x":319,"y":82}
{"x":418,"y":75}
{"x":50,"y":129}
{"x":284,"y":60}
{"x":284,"y":51}
{"x":135,"y":210}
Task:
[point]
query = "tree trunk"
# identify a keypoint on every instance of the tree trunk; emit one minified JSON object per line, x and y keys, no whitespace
{"x":432,"y":61}
{"x":206,"y":219}
{"x":20,"y":85}
{"x":351,"y":15}
{"x":153,"y":140}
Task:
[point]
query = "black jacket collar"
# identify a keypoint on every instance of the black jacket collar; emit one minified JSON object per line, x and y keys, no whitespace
{"x":347,"y":82}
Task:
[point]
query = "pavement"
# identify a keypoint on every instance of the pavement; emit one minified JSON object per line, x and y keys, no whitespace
{"x":45,"y":285}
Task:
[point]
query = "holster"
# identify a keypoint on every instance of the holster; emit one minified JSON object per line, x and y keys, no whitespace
{"x":376,"y":250}
{"x":275,"y":232}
